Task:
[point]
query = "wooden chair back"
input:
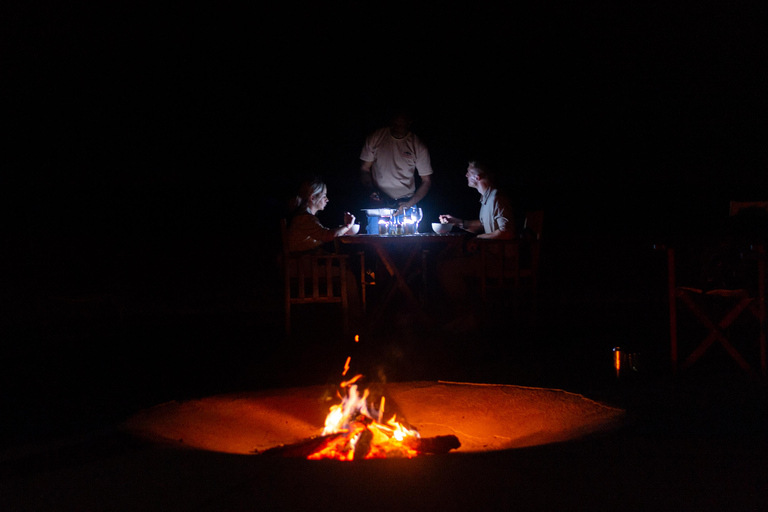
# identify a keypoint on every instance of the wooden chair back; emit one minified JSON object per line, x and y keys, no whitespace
{"x":533,"y":225}
{"x":311,"y":279}
{"x":513,"y":263}
{"x":717,"y":309}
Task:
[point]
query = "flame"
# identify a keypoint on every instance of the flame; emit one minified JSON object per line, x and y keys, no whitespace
{"x":361,"y":431}
{"x":351,"y":381}
{"x":381,"y":410}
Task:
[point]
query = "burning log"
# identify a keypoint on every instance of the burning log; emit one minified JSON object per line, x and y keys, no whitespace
{"x":363,"y":445}
{"x":352,"y":432}
{"x":435,"y":445}
{"x":303,"y":448}
{"x":307,"y":447}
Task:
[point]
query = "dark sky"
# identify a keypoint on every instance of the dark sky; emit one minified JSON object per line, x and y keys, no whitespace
{"x":156,"y":116}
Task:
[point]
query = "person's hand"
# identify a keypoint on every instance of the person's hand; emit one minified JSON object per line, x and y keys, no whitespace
{"x":366,"y":179}
{"x":402,"y":207}
{"x":449,"y":219}
{"x":349,"y":219}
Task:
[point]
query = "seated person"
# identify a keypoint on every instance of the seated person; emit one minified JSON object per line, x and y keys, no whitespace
{"x":306,"y":235}
{"x":305,"y":232}
{"x":496,"y":217}
{"x":496,"y":221}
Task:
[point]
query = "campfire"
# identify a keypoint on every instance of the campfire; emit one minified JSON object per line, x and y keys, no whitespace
{"x":355,"y":430}
{"x":362,"y":424}
{"x":290,"y":421}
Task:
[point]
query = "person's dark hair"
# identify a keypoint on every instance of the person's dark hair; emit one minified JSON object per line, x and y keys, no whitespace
{"x":402,"y":112}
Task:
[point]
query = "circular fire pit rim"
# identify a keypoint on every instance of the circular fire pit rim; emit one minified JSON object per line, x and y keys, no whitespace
{"x":485,"y":417}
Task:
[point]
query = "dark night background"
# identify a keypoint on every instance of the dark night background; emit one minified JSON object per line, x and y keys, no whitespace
{"x":150,"y":147}
{"x":139,"y":117}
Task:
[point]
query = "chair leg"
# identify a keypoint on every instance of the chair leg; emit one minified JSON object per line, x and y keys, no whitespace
{"x":424,"y":254}
{"x":672,"y":296}
{"x":343,"y":292}
{"x":287,"y":295}
{"x":483,"y":274}
{"x":717,"y":332}
{"x":761,"y":304}
{"x":362,"y":281}
{"x":288,"y":320}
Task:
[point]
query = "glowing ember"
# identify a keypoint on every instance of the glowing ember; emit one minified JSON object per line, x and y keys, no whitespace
{"x":354,"y":430}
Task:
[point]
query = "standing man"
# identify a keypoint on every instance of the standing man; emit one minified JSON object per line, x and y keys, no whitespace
{"x":391,"y":157}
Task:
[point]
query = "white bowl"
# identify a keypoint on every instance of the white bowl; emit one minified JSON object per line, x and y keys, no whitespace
{"x":441,"y":228}
{"x":355,"y":229}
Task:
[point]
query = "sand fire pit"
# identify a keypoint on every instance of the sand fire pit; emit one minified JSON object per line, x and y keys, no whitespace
{"x":484,"y":417}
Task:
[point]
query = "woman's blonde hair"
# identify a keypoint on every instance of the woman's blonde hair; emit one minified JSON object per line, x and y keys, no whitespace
{"x":307,"y":189}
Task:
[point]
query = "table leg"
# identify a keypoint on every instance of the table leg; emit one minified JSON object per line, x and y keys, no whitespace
{"x":400,"y":282}
{"x":761,"y":311}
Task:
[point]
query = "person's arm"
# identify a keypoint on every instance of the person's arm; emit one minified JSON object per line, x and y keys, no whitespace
{"x":366,"y":178}
{"x":328,"y":234}
{"x":421,"y":192}
{"x":503,"y":219}
{"x":349,"y":221}
{"x":473,"y":226}
{"x":498,"y":234}
{"x":365,"y":174}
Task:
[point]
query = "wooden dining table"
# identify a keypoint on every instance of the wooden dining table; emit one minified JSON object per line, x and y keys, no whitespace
{"x":398,"y":254}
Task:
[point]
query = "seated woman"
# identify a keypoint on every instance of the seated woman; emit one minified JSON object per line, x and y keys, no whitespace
{"x":307,"y":235}
{"x":305,"y":232}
